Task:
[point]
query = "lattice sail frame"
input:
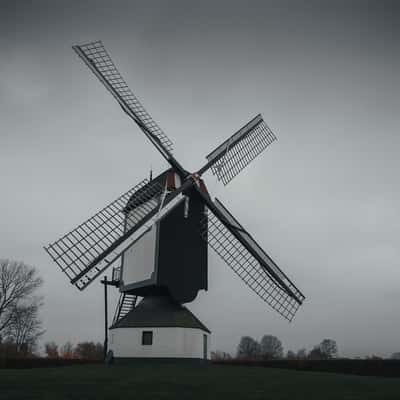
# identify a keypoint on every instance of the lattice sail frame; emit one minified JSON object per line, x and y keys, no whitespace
{"x":76,"y":252}
{"x":78,"y":249}
{"x":96,"y":57}
{"x":284,"y":300}
{"x":240,"y":149}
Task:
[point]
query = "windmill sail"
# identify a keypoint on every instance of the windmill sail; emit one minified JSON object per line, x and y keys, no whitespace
{"x":232,"y":156}
{"x":249,"y":261}
{"x":85,"y":252}
{"x":98,"y":60}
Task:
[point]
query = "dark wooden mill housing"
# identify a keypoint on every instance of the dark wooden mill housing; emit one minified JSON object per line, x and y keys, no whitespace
{"x":176,"y":256}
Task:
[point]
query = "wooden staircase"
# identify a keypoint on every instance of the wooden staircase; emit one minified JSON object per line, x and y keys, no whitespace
{"x":125,"y":304}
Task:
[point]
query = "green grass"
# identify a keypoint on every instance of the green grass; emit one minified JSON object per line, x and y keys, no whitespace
{"x":170,"y":381}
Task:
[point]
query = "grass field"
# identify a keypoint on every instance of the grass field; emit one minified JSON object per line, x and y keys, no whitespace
{"x":189,"y":382}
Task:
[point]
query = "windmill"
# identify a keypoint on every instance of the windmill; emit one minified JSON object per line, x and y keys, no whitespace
{"x":156,"y":237}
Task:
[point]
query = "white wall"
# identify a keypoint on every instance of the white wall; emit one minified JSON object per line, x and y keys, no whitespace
{"x":167,"y":342}
{"x":139,"y":259}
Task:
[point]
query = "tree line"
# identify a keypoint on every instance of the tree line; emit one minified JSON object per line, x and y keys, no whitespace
{"x":271,"y":348}
{"x":83,"y":350}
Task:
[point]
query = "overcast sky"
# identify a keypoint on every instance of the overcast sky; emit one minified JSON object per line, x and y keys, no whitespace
{"x":323,"y":200}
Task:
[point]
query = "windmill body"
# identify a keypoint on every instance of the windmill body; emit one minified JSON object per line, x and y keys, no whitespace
{"x":159,"y":232}
{"x":171,"y":258}
{"x":167,"y":266}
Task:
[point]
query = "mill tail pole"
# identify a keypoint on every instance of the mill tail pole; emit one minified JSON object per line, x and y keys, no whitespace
{"x":105,"y":317}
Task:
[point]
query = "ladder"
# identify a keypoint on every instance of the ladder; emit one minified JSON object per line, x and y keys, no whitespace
{"x":125,"y":304}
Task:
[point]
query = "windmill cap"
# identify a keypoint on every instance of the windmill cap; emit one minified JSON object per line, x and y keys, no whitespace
{"x":159,"y":312}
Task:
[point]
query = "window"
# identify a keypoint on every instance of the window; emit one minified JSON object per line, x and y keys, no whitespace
{"x":147,"y":338}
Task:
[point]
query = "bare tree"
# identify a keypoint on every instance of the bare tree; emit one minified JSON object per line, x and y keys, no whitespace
{"x":18,"y":282}
{"x":67,"y":351}
{"x":89,"y":351}
{"x":328,"y":348}
{"x":51,"y":350}
{"x":395,"y":356}
{"x":316,"y":354}
{"x":291,"y":355}
{"x":301,"y":354}
{"x":271,"y":347}
{"x":248,"y":348}
{"x":24,"y":327}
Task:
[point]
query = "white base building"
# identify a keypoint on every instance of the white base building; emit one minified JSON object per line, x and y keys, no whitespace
{"x":158,"y":328}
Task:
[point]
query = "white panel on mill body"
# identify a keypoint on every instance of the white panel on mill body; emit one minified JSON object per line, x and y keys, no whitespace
{"x":139,"y":259}
{"x":173,"y":342}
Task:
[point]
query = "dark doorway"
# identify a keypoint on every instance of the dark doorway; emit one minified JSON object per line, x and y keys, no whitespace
{"x":205,"y":347}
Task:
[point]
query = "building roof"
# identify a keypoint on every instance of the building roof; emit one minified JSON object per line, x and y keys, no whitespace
{"x":159,"y":311}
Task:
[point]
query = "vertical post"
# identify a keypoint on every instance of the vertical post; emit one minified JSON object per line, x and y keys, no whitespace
{"x":105,"y":317}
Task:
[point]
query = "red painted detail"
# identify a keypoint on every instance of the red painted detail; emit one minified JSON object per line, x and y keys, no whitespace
{"x":171,"y":181}
{"x":200,"y":183}
{"x":203,"y":187}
